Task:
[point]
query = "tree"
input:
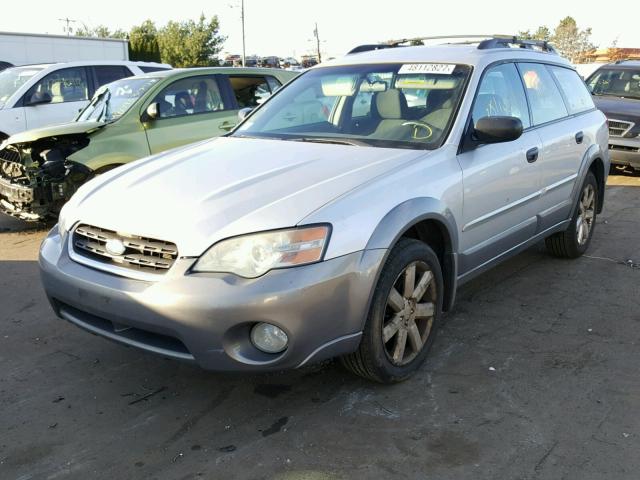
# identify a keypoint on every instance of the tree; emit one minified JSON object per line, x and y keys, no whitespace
{"x":542,"y":33}
{"x":143,"y":43}
{"x":190,"y":43}
{"x":416,"y":42}
{"x":572,"y":42}
{"x":101,"y":31}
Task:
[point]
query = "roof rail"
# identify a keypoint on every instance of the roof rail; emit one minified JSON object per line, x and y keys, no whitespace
{"x":506,"y":41}
{"x":485,"y":42}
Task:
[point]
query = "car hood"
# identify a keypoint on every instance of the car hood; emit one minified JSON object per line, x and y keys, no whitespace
{"x":220,"y":188}
{"x":54,"y":131}
{"x":619,"y":108}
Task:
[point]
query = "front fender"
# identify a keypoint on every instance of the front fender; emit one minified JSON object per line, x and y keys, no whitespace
{"x":409,"y":213}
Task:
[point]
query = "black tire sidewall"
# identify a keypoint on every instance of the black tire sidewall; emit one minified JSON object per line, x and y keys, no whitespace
{"x":404,"y":253}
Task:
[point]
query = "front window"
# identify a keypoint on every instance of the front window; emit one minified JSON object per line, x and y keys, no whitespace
{"x":12,"y":79}
{"x":113,"y":100}
{"x":387,"y":105}
{"x":618,"y":82}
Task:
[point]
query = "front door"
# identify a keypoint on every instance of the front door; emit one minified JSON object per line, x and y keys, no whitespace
{"x":190,"y":109}
{"x":68,"y":92}
{"x":501,"y":180}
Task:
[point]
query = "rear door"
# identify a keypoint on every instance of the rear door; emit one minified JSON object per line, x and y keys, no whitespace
{"x":68,"y":89}
{"x":191,"y":109}
{"x":557,"y":97}
{"x":501,"y":180}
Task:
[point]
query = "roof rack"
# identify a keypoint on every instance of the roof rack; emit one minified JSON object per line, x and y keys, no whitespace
{"x":484,"y":42}
{"x":506,"y":41}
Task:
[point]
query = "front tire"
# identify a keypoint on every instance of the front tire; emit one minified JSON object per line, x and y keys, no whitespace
{"x":404,"y":315}
{"x":575,"y":240}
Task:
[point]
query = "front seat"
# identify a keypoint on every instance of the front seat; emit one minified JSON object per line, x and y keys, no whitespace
{"x":440,"y":105}
{"x":391,"y":106}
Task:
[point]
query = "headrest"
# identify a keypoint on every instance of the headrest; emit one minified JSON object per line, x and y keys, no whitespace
{"x":391,"y":104}
{"x":439,"y":99}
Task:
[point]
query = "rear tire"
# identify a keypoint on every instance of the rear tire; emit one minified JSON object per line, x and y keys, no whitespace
{"x":575,"y":240}
{"x":404,"y":315}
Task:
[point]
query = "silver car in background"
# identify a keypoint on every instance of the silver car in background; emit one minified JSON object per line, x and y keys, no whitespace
{"x":339,"y":219}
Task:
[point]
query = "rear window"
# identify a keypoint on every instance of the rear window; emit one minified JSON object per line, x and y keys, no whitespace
{"x":574,"y":89}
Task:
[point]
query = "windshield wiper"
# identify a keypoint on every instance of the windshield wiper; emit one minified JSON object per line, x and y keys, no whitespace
{"x":336,"y":141}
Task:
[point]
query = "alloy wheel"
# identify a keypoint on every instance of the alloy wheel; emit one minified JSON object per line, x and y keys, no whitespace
{"x":409,"y":315}
{"x":586,"y":214}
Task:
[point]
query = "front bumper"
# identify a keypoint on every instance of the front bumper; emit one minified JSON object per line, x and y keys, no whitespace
{"x":207,"y":318}
{"x":625,"y":151}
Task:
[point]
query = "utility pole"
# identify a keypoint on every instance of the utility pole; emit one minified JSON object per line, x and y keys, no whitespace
{"x":315,"y":34}
{"x":67,"y":20}
{"x":243,"y":47}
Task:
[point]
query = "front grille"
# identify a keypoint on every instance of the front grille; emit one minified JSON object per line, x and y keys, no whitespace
{"x":11,"y":154}
{"x":618,"y":128}
{"x":141,"y":253}
{"x":136,"y":337}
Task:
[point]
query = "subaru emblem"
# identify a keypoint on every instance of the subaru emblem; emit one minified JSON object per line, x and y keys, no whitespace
{"x":115,"y":246}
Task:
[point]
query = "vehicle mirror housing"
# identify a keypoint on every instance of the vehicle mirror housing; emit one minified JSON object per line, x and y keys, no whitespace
{"x":497,"y":129}
{"x":243,"y":112}
{"x":152,"y":112}
{"x":39,"y":98}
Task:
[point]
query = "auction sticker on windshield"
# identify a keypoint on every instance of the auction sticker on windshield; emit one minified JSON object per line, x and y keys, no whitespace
{"x":442,"y":68}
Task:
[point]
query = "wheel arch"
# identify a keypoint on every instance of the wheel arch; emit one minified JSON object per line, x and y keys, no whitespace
{"x":429,"y":220}
{"x":597,"y":162}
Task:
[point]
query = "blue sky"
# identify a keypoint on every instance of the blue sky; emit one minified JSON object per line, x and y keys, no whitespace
{"x":285,"y":27}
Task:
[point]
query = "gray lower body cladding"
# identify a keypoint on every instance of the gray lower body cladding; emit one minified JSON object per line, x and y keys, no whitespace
{"x":207,"y":318}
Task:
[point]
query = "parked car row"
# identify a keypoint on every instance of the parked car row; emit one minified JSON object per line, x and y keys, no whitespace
{"x":128,"y":119}
{"x":288,"y":63}
{"x":337,"y":219}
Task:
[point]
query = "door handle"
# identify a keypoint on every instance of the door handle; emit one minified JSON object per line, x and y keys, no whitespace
{"x":532,"y":154}
{"x":579,"y":137}
{"x":226,"y":126}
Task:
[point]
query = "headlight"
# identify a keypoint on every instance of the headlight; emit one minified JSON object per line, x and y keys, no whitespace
{"x":253,"y":255}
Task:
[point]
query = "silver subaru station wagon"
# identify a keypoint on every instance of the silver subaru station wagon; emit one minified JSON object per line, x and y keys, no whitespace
{"x":339,"y":218}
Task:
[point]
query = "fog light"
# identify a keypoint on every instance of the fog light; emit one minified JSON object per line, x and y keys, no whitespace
{"x":269,"y":338}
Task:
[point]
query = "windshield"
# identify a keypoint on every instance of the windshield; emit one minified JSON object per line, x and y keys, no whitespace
{"x":12,"y":79}
{"x":111,"y":101}
{"x":616,"y":82}
{"x":382,"y":105}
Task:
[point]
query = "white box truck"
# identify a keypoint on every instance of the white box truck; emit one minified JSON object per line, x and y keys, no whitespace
{"x":32,"y":48}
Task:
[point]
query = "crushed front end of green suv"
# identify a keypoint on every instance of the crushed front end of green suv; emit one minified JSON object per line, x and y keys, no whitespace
{"x":126,"y":120}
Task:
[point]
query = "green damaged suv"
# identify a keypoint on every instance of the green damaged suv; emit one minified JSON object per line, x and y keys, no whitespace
{"x":126,"y":120}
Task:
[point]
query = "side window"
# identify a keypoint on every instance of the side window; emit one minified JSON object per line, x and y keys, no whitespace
{"x":574,"y":89}
{"x":501,"y":94}
{"x":65,"y":85}
{"x":153,"y":69}
{"x":544,"y":97}
{"x":110,"y":73}
{"x":189,"y":96}
{"x":250,"y":91}
{"x":274,"y":84}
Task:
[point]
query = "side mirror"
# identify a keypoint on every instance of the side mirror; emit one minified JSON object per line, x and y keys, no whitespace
{"x":497,"y":129}
{"x":243,"y":112}
{"x":152,"y":112}
{"x":39,"y":98}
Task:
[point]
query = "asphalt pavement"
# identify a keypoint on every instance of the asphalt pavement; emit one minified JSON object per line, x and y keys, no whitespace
{"x":534,"y":375}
